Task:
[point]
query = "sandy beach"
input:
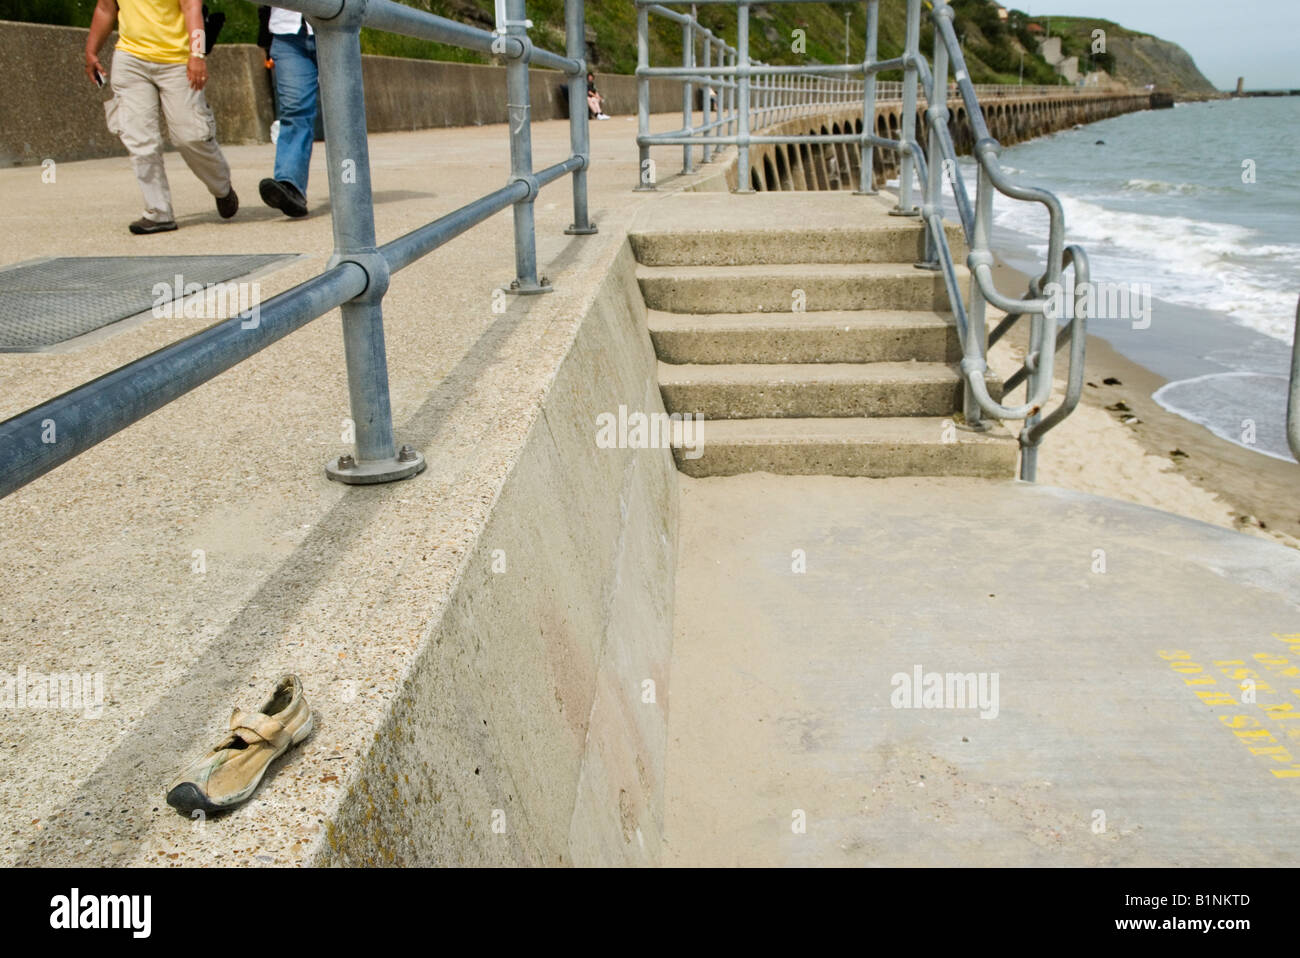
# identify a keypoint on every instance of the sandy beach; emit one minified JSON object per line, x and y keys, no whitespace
{"x":1120,"y":443}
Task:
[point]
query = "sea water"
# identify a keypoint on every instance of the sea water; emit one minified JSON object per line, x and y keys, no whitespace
{"x":1202,"y":202}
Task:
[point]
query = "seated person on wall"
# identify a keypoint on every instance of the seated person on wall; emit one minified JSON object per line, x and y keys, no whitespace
{"x":595,"y":102}
{"x":291,"y":46}
{"x":160,"y":66}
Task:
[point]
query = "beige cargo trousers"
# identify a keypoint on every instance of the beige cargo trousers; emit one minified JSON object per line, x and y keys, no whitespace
{"x":141,"y":91}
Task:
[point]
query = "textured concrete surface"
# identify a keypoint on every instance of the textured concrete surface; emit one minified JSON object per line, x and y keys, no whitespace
{"x":877,"y":448}
{"x":51,"y":111}
{"x":776,"y":287}
{"x":864,"y":336}
{"x":781,"y":320}
{"x":772,"y":228}
{"x":811,"y":389}
{"x":1122,"y":638}
{"x":200,"y":553}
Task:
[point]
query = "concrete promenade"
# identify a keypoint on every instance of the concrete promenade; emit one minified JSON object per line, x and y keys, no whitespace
{"x":340,"y":584}
{"x":617,"y":664}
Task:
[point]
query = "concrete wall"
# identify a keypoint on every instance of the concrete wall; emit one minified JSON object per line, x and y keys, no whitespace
{"x":1010,"y":120}
{"x":534,"y":679}
{"x":49,"y":109}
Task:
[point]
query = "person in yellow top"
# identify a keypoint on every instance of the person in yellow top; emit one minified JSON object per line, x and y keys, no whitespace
{"x":160,"y":66}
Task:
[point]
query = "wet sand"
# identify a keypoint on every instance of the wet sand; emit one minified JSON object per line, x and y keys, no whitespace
{"x":1161,"y":459}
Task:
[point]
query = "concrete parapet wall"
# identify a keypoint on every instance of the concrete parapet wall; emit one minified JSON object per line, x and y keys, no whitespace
{"x":49,"y":109}
{"x":534,"y":680}
{"x":1010,"y":120}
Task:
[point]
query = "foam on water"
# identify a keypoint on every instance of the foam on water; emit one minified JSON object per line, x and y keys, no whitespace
{"x":1200,"y":203}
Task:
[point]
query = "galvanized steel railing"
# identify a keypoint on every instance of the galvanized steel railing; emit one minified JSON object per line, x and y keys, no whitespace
{"x":784,"y":91}
{"x":358,"y":274}
{"x":1293,"y":399}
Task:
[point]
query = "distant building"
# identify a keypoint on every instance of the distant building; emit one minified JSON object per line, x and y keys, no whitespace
{"x":1036,"y":29}
{"x":1002,"y":13}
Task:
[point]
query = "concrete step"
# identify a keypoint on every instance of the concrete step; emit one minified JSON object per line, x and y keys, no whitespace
{"x":805,"y":390}
{"x":782,"y":288}
{"x":876,"y":448}
{"x":896,"y":240}
{"x":725,"y":229}
{"x":869,"y":336}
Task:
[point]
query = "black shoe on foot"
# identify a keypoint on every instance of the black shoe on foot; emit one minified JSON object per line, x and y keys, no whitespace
{"x":228,"y":205}
{"x":143,"y":227}
{"x":283,"y":196}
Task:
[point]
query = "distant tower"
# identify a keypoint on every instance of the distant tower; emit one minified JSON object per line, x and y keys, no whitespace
{"x":1241,"y":86}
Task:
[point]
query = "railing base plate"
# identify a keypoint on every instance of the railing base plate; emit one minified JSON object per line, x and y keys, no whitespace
{"x":585,"y":231}
{"x":369,"y":472}
{"x":543,"y":286}
{"x":899,"y":211}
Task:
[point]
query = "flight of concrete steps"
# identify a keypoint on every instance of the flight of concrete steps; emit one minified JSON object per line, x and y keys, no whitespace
{"x":798,"y":326}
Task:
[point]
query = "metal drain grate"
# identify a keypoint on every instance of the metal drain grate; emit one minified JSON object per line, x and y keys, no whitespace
{"x":51,"y":302}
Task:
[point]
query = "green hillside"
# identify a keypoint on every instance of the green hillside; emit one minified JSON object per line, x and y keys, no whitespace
{"x":993,"y":49}
{"x":996,"y":51}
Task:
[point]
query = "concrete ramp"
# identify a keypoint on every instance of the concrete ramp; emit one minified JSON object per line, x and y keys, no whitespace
{"x":1125,"y":729}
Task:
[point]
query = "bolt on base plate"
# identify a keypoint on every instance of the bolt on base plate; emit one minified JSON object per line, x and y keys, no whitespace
{"x":585,"y":231}
{"x":369,"y":472}
{"x":543,"y":286}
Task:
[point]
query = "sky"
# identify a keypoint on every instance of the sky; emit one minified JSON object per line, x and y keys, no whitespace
{"x":1257,"y":39}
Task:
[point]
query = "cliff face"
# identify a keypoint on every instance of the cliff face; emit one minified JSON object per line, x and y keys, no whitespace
{"x":1140,"y":60}
{"x":1134,"y":58}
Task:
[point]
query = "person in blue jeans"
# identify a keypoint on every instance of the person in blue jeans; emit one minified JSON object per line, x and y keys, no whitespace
{"x":293,"y":50}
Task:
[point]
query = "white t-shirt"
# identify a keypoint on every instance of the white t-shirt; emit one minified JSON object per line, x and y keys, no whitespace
{"x":287,"y":21}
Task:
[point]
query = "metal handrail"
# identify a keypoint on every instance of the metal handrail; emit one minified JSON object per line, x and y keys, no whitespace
{"x":795,"y":90}
{"x":358,"y":273}
{"x":1293,"y":399}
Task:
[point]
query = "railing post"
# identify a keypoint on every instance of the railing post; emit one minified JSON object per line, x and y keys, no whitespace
{"x":911,"y":49}
{"x":1293,"y":396}
{"x":688,"y":107}
{"x":977,"y":348}
{"x":742,"y":106}
{"x":519,"y":110}
{"x":936,"y":114}
{"x":867,"y":181}
{"x":731,"y":97}
{"x":719,"y":105}
{"x":376,"y":457}
{"x":575,"y":47}
{"x":706,"y":151}
{"x":646,"y":171}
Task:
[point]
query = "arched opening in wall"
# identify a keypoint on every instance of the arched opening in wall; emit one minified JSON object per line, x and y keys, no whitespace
{"x":754,"y":182}
{"x":782,"y":170}
{"x":835,"y":161}
{"x":796,"y":171}
{"x":854,"y":153}
{"x":830,"y":177}
{"x":809,"y":167}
